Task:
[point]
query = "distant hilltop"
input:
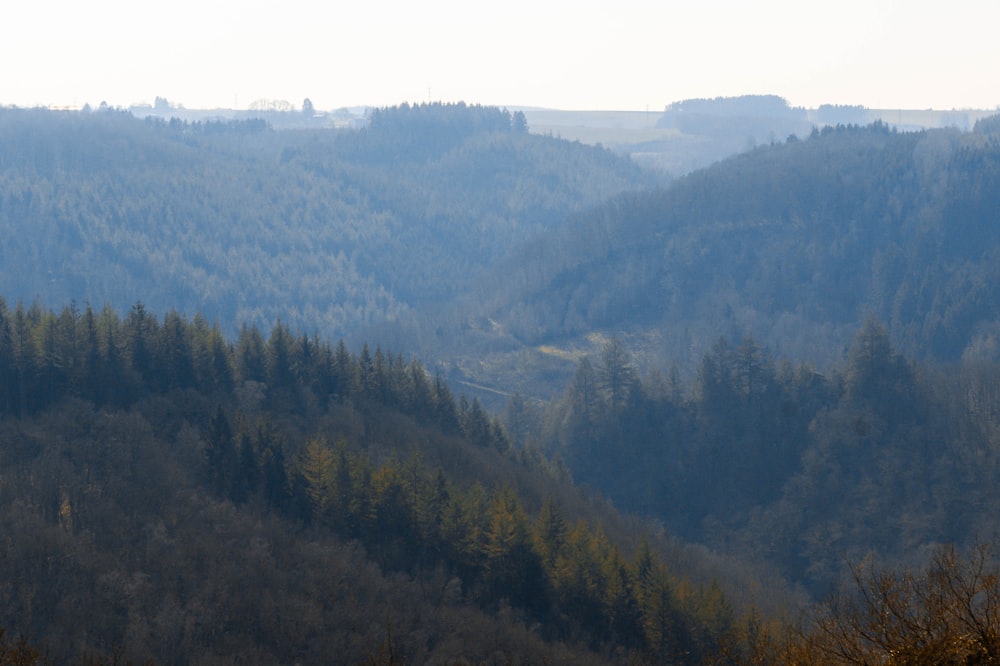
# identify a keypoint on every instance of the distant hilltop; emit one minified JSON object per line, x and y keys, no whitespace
{"x":759,"y":107}
{"x":682,"y":137}
{"x":775,"y":107}
{"x":694,"y":133}
{"x":281,"y":113}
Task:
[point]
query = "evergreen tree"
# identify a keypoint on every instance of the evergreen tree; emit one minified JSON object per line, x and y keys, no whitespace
{"x":220,"y":454}
{"x":549,"y":534}
{"x":140,"y":334}
{"x":319,"y":471}
{"x":273,"y":471}
{"x":446,"y":415}
{"x":251,"y":355}
{"x":512,"y":567}
{"x":175,"y":353}
{"x":583,"y":400}
{"x":615,"y":375}
{"x":8,"y":380}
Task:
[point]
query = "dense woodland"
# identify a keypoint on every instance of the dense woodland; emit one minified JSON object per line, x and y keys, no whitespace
{"x":171,"y":495}
{"x":783,"y":367}
{"x":796,"y":244}
{"x":167,"y":494}
{"x":328,"y":231}
{"x":773,"y":462}
{"x":451,"y":231}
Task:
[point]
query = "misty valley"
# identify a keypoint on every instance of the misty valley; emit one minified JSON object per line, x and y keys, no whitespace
{"x":442,"y":388}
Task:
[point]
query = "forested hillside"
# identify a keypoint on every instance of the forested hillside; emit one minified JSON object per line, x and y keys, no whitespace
{"x":795,"y":243}
{"x":790,"y":358}
{"x":451,"y":230}
{"x":770,"y":461}
{"x":168,"y":494}
{"x":326,"y":230}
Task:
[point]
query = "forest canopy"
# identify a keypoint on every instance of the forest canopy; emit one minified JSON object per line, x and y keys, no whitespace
{"x":796,"y":243}
{"x":214,"y":499}
{"x":785,"y":367}
{"x":328,"y":230}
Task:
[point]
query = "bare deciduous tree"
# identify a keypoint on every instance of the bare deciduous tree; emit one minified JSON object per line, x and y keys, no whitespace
{"x":947,"y":613}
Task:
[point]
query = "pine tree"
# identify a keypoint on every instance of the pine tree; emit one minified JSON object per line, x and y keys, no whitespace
{"x":318,"y":467}
{"x":549,"y":534}
{"x":220,"y":454}
{"x":7,"y":374}
{"x":140,"y":332}
{"x":616,"y":376}
{"x":251,"y":355}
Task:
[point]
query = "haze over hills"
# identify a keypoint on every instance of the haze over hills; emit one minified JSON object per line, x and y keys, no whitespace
{"x":651,"y":137}
{"x":331,"y":231}
{"x":385,"y":229}
{"x":665,"y":140}
{"x":789,"y":356}
{"x":795,"y":243}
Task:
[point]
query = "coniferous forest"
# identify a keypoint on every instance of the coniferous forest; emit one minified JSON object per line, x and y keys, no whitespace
{"x":171,"y":495}
{"x":441,"y":390}
{"x":329,"y":231}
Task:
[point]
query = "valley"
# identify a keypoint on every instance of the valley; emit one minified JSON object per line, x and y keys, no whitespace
{"x":463,"y":382}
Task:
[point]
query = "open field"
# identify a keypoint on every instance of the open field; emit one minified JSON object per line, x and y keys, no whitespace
{"x":635,"y":133}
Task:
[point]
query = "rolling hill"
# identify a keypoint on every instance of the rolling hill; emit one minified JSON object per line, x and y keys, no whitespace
{"x":332,"y":231}
{"x":795,"y":243}
{"x":830,"y":305}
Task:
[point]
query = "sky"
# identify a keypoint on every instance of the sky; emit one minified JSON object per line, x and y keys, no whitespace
{"x":585,"y":54}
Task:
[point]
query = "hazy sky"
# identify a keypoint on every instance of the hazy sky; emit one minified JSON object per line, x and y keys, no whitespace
{"x":620,"y":54}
